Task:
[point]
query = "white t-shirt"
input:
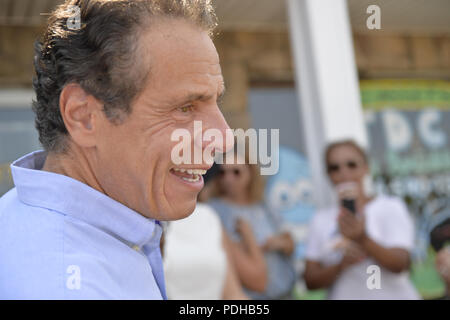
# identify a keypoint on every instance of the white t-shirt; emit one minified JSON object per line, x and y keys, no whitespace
{"x":194,"y":259}
{"x":389,"y":224}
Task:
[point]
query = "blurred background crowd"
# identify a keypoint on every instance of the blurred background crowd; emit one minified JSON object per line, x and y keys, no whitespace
{"x":363,"y":114}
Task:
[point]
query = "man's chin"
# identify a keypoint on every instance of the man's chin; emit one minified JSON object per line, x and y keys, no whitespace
{"x":183,"y":210}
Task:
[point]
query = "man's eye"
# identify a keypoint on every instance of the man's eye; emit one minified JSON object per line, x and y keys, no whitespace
{"x":186,"y":108}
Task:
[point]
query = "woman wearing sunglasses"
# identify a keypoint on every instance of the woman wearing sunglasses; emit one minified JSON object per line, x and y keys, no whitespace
{"x":255,"y":232}
{"x":360,"y":248}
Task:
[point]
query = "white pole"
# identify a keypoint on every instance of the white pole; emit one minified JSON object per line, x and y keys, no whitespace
{"x":326,"y":81}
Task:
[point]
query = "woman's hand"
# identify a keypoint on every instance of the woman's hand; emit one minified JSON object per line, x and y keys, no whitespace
{"x":281,"y":242}
{"x":353,"y":254}
{"x":318,"y":276}
{"x":273,"y":244}
{"x":352,"y":226}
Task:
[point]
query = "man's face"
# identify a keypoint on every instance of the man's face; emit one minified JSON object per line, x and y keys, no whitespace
{"x":133,"y":159}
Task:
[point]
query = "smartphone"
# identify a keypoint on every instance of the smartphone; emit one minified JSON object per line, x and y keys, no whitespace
{"x":349,"y":204}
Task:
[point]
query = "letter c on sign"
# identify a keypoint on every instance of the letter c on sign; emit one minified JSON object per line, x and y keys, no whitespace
{"x":429,"y":133}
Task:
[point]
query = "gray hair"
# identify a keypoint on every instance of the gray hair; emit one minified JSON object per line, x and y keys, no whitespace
{"x":101,"y":56}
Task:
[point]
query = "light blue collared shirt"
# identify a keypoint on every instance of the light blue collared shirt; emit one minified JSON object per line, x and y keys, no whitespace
{"x":61,"y":239}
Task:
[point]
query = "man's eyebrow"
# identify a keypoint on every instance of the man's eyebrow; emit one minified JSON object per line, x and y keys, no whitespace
{"x":203,"y":97}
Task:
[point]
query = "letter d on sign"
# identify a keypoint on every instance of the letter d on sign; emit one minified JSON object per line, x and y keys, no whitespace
{"x":398,"y":132}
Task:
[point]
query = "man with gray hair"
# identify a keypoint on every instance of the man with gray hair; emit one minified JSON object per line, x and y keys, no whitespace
{"x":83,"y":221}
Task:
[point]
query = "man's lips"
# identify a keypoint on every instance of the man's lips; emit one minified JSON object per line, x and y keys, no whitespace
{"x":188,"y":174}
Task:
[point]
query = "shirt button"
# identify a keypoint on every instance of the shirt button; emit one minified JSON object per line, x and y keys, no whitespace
{"x":136,"y":247}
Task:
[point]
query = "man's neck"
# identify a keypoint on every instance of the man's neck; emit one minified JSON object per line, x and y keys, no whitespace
{"x":73,"y":164}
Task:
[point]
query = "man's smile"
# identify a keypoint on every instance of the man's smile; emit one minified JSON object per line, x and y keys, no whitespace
{"x":190,"y":175}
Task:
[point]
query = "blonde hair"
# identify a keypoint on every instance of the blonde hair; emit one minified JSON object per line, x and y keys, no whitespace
{"x":341,"y":143}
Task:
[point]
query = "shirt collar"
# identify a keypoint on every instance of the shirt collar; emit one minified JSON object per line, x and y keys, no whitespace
{"x":71,"y":197}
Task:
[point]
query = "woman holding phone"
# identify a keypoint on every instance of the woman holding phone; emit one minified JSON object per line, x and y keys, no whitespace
{"x":360,"y":248}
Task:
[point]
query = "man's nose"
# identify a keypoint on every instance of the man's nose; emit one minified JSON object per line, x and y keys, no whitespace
{"x":216,"y":122}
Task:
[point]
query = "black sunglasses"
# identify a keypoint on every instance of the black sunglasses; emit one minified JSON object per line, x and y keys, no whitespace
{"x":333,"y":167}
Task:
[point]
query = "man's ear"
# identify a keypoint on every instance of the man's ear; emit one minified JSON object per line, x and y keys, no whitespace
{"x":79,"y":111}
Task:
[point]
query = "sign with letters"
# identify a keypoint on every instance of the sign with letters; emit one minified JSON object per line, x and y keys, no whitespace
{"x":408,"y":124}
